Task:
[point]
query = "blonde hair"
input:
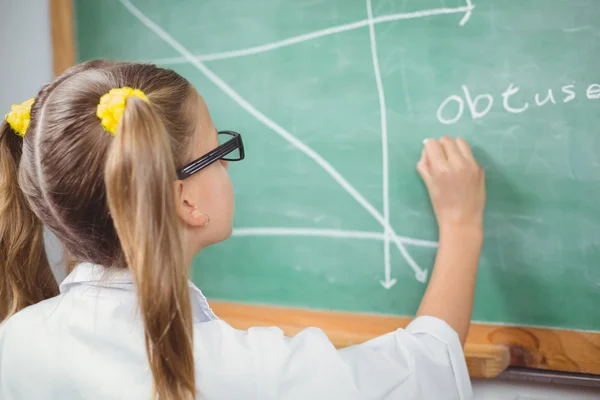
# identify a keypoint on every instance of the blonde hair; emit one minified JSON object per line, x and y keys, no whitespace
{"x":110,"y":201}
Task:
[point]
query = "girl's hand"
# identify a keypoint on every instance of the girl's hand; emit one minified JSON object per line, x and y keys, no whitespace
{"x":456,"y":183}
{"x":456,"y":186}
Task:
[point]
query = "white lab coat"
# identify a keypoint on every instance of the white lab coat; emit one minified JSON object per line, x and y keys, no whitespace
{"x":88,"y":343}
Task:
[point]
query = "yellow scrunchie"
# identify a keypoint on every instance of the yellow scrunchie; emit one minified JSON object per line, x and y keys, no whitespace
{"x":19,"y":117}
{"x":112,"y":104}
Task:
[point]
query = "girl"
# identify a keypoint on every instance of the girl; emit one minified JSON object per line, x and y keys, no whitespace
{"x":122,"y":162}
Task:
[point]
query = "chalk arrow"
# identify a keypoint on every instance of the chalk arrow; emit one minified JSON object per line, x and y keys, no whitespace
{"x":388,"y":283}
{"x":421,"y":275}
{"x":467,"y":15}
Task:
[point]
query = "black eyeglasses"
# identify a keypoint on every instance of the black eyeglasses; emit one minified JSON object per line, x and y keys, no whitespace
{"x":231,"y":148}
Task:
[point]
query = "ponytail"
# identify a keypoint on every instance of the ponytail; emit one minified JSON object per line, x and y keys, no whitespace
{"x":139,"y":177}
{"x":25,"y":274}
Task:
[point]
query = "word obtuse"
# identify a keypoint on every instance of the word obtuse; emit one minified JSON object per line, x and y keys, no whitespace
{"x":480,"y":105}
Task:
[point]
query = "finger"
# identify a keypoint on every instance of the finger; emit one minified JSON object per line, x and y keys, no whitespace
{"x":424,"y":172}
{"x":424,"y":158}
{"x":451,"y":149}
{"x":435,"y":153}
{"x":423,"y":167}
{"x":465,"y":149}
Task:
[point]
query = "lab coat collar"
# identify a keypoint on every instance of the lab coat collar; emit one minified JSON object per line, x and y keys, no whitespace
{"x":97,"y":275}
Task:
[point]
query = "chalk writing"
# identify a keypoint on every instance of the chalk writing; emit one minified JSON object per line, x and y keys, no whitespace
{"x":452,"y":108}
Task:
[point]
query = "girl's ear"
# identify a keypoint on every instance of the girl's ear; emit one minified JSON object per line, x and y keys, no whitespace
{"x":187,"y":209}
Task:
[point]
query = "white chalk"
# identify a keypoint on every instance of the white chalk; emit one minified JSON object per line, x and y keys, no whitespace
{"x":425,"y":141}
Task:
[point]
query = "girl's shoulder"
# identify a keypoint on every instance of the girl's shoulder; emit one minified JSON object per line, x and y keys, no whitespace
{"x":25,"y":336}
{"x":30,"y":319}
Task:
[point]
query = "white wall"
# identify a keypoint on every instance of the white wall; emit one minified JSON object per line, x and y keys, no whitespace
{"x":25,"y":52}
{"x":26,"y":65}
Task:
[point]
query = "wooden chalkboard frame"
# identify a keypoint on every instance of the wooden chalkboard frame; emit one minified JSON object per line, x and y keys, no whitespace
{"x":489,"y":350}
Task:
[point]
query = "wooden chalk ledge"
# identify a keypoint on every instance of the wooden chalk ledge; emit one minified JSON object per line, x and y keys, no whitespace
{"x":489,"y":350}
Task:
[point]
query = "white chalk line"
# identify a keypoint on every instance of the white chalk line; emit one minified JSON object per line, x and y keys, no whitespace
{"x":425,"y":13}
{"x":320,"y":33}
{"x":468,"y":12}
{"x":388,"y":282}
{"x":268,"y":46}
{"x":330,"y":233}
{"x":420,"y":274}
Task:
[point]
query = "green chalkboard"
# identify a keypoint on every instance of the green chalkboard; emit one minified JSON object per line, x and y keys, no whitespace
{"x":334,"y":99}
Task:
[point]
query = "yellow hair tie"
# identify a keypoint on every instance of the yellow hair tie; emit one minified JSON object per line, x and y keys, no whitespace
{"x":19,"y":117}
{"x":112,"y":104}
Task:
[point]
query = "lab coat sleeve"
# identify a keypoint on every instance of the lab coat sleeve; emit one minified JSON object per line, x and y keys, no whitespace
{"x":262,"y":363}
{"x":423,"y":361}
